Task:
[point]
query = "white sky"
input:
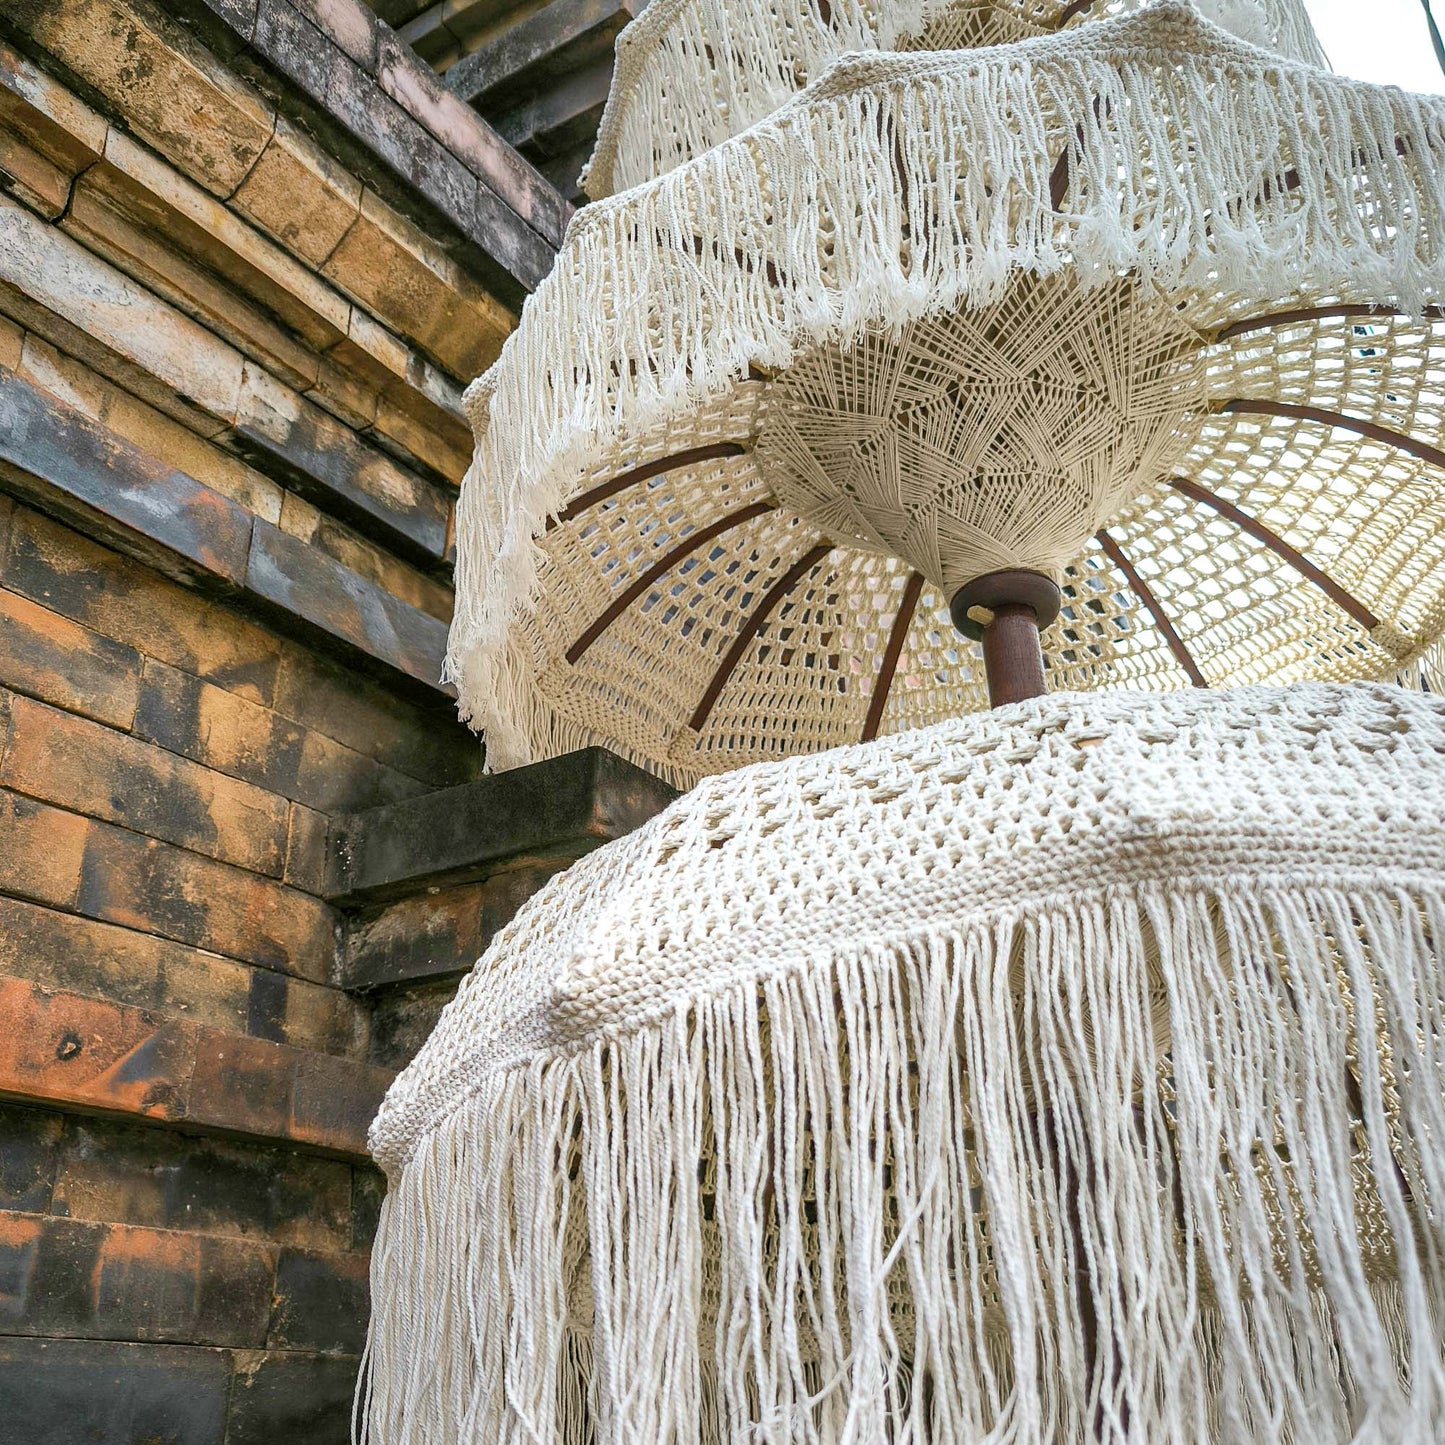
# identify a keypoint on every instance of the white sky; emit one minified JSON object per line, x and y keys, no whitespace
{"x":1381,"y":40}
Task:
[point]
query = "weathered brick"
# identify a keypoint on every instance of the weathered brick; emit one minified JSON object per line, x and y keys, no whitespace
{"x":321,"y":1302}
{"x":142,"y":340}
{"x":251,"y":1086}
{"x":438,"y":444}
{"x":46,"y":135}
{"x":12,"y":344}
{"x":159,"y":1179}
{"x":306,"y":850}
{"x":435,"y":934}
{"x":324,"y":1019}
{"x":288,"y":1396}
{"x":341,"y":604}
{"x":81,"y":469}
{"x":169,"y":89}
{"x":47,"y":102}
{"x":310,"y":524}
{"x":63,"y":1392}
{"x":113,"y":595}
{"x":148,"y":428}
{"x":335,"y":1102}
{"x":215,"y":237}
{"x":100,"y":960}
{"x":553,"y":810}
{"x":88,"y":768}
{"x":430,"y":745}
{"x":402,"y":1020}
{"x":300,"y":194}
{"x":41,"y":850}
{"x":29,"y":1149}
{"x":428,"y":935}
{"x":245,"y":740}
{"x":347,"y":24}
{"x":120,"y":1282}
{"x":158,"y":888}
{"x":368,"y":1190}
{"x":420,"y":91}
{"x":392,"y":267}
{"x":88,"y":1054}
{"x":142,"y":237}
{"x":314,"y":454}
{"x":51,"y":657}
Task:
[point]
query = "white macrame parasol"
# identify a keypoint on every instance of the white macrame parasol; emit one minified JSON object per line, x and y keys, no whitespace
{"x":1071,"y":1072}
{"x":690,"y":74}
{"x":1137,"y":308}
{"x":1074,"y":1072}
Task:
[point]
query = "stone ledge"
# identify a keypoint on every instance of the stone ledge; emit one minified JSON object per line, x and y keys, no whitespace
{"x":67,"y":465}
{"x":553,"y":810}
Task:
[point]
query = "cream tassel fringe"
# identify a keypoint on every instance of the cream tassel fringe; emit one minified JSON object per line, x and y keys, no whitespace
{"x":691,"y":73}
{"x":1221,"y":1109}
{"x":632,"y":328}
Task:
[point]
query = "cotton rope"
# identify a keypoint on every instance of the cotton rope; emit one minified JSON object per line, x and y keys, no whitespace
{"x":1074,"y":1072}
{"x":1223,"y":181}
{"x":689,"y":74}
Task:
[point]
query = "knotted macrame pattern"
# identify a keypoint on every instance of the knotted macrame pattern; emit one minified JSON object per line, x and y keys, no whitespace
{"x":1279,"y":226}
{"x":1074,"y":1072}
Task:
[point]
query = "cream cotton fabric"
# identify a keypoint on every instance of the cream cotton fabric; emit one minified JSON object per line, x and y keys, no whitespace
{"x":805,"y":1112}
{"x":690,"y":74}
{"x":1180,"y":227}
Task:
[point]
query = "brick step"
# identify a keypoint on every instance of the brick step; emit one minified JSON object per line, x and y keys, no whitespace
{"x":58,"y":1392}
{"x":88,"y":1056}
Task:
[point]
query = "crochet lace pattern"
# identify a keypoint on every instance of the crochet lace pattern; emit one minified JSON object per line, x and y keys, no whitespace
{"x":805,"y":1112}
{"x":957,"y":312}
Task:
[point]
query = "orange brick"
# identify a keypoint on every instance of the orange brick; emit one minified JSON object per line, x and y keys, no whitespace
{"x":50,"y":657}
{"x":41,"y":850}
{"x":61,"y":1048}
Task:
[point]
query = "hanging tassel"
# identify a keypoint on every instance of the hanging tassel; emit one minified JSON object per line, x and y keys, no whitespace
{"x":739,"y":1136}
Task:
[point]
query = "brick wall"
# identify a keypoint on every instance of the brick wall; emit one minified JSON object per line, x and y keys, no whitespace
{"x":246,"y":265}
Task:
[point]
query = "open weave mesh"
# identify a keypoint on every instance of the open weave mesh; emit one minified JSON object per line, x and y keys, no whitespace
{"x":1186,"y":226}
{"x":690,"y":74}
{"x":1072,"y":1072}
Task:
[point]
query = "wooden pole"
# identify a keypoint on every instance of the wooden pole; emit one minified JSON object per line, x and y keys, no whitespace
{"x":1020,"y":605}
{"x":1013,"y":661}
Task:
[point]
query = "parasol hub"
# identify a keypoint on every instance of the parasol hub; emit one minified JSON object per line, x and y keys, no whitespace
{"x":989,"y":439}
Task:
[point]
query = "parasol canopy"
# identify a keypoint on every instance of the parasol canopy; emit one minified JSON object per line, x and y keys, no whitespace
{"x":691,"y":73}
{"x":1068,"y":1072}
{"x":1138,"y":308}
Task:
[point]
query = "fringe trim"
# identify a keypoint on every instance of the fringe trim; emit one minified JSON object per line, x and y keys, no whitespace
{"x":681,"y":329}
{"x":856,"y":1204}
{"x":766,"y":50}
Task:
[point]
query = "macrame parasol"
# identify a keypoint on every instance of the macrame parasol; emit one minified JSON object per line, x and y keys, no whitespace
{"x":1139,"y":316}
{"x":690,"y":74}
{"x":1070,"y":1072}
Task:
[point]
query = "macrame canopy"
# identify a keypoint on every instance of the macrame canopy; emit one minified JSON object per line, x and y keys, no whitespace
{"x":690,"y":74}
{"x":1138,"y":308}
{"x":1068,"y":1073}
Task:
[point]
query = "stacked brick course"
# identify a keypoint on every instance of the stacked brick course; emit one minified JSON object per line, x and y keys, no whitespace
{"x":249,"y":253}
